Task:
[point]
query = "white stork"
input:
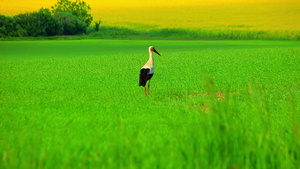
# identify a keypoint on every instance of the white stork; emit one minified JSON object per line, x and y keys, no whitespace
{"x":147,"y":70}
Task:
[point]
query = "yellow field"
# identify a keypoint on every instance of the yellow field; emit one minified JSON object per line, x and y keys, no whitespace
{"x":193,"y":14}
{"x":224,"y":16}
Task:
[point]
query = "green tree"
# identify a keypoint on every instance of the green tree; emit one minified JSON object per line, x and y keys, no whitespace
{"x":53,"y":26}
{"x":78,"y":8}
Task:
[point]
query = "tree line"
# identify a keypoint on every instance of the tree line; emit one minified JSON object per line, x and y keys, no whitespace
{"x":64,"y":18}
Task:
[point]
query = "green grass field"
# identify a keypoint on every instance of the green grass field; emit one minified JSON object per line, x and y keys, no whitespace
{"x":212,"y":104}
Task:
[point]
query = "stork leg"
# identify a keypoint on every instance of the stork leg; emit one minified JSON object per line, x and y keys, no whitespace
{"x":149,"y":88}
{"x":145,"y":90}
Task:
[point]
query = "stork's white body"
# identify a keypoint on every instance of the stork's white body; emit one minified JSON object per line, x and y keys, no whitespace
{"x":150,"y":63}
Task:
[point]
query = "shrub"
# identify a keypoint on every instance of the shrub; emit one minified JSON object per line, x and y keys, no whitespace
{"x":10,"y":28}
{"x":40,"y":23}
{"x":97,"y":25}
{"x":71,"y":24}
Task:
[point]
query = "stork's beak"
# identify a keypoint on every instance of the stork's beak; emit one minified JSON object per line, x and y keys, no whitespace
{"x":156,"y":52}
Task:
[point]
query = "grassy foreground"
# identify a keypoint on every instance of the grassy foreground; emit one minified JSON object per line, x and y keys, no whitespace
{"x":213,"y":104}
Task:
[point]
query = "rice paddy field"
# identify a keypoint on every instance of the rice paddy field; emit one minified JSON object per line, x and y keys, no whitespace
{"x":229,"y":104}
{"x":212,"y":104}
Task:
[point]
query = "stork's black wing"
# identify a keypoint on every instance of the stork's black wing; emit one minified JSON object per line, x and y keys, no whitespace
{"x":144,"y":76}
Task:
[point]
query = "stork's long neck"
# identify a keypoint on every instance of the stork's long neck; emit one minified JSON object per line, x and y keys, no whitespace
{"x":150,"y":63}
{"x":150,"y":56}
{"x":151,"y":60}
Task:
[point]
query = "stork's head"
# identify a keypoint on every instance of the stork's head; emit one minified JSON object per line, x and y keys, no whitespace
{"x":151,"y":48}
